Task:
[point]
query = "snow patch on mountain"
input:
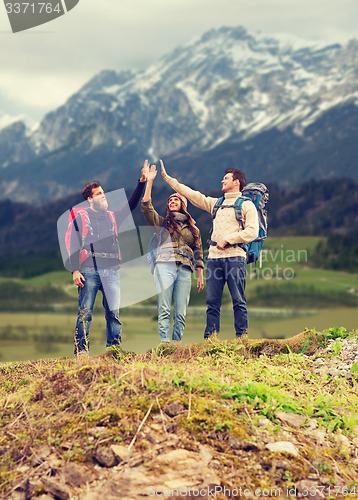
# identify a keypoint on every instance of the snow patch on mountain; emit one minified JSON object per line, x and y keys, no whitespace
{"x":227,"y":83}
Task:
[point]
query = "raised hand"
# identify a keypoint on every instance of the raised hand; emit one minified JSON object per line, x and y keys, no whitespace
{"x":144,"y":171}
{"x":164,"y":172}
{"x":152,"y":173}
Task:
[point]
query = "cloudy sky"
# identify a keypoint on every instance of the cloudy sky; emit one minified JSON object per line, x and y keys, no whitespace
{"x":42,"y":67}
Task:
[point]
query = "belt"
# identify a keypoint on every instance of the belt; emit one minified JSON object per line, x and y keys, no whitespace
{"x":170,"y":253}
{"x":104,"y":255}
{"x":234,"y":245}
{"x":213,"y":243}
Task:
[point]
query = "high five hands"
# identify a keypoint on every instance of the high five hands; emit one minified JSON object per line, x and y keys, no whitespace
{"x":148,"y":172}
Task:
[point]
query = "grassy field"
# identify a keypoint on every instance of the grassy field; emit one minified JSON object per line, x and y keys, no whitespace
{"x":281,"y":256}
{"x":255,"y":416}
{"x":285,"y":268}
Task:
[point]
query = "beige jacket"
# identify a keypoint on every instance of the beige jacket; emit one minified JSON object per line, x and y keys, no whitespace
{"x":225,"y":226}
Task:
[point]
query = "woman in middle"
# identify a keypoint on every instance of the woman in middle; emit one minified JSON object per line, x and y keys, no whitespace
{"x":176,"y":261}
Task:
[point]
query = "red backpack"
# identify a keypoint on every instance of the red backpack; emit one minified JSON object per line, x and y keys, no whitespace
{"x":86,"y":228}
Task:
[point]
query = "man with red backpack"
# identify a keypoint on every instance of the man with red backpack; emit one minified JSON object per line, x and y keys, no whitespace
{"x":94,"y":259}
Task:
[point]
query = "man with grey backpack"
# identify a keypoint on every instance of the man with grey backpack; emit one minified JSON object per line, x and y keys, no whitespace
{"x":234,"y":229}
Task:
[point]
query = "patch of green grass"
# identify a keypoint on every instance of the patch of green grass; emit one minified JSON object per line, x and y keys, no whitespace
{"x":54,"y":278}
{"x":224,"y":389}
{"x":262,"y":397}
{"x":313,"y":339}
{"x":354,"y":368}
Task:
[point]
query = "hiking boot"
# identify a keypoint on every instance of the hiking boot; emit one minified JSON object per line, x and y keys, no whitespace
{"x":242,"y":335}
{"x":82,"y":355}
{"x":113,"y":351}
{"x":208,"y":335}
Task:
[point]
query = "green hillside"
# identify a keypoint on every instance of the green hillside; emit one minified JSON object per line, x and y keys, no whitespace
{"x":269,"y":418}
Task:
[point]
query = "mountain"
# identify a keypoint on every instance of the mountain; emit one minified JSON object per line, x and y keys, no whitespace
{"x":283,"y":109}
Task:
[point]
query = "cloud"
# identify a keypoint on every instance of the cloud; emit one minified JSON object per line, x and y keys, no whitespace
{"x":42,"y":67}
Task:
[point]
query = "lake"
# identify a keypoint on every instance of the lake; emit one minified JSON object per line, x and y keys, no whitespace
{"x":26,"y":336}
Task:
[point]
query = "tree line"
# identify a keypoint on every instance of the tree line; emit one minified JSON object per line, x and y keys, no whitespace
{"x":327,"y":208}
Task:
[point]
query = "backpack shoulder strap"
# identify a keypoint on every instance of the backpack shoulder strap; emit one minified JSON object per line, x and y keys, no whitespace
{"x":73,"y":223}
{"x":238,"y":208}
{"x":85,"y":221}
{"x":112,"y":218}
{"x":218,"y":204}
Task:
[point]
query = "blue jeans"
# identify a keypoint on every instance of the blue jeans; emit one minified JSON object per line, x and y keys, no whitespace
{"x":172,"y":279}
{"x":230,"y":270}
{"x":107,"y":281}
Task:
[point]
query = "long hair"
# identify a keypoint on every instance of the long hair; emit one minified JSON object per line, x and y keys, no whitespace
{"x":172,"y":225}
